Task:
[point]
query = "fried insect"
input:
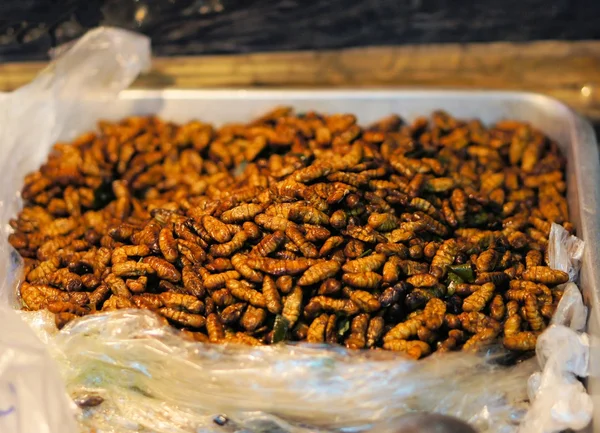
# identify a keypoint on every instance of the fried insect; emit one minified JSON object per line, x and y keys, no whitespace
{"x":245,"y":292}
{"x":444,"y":257}
{"x":216,"y":229}
{"x":415,"y":349}
{"x":433,"y":314}
{"x":164,"y":270}
{"x":316,"y":331}
{"x":421,"y":237}
{"x":239,"y":263}
{"x":168,"y":245}
{"x":272,"y":297}
{"x":253,"y":318}
{"x":545,"y":275}
{"x":520,"y":341}
{"x":182,"y":318}
{"x":375,"y":331}
{"x":245,"y":212}
{"x":268,"y":244}
{"x":363,"y":280}
{"x":324,"y":303}
{"x":228,"y":248}
{"x":479,"y":299}
{"x":319,"y":272}
{"x":404,"y":330}
{"x":214,"y":328}
{"x":366,"y":301}
{"x":365,"y":264}
{"x":292,"y":306}
{"x":358,"y":332}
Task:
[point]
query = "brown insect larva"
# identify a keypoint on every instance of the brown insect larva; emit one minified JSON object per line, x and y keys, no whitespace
{"x":405,"y":329}
{"x":192,"y":282}
{"x":228,"y":248}
{"x":219,"y":264}
{"x":239,"y":263}
{"x":362,"y":280}
{"x":481,"y":339}
{"x":330,"y":286}
{"x":183,"y":318}
{"x":279,"y":267}
{"x":330,"y":244}
{"x":306,"y":248}
{"x":533,"y":258}
{"x":358,"y":332}
{"x":168,"y":245}
{"x":216,"y":281}
{"x":422,"y":280}
{"x":487,"y":260}
{"x":117,"y":286}
{"x":245,"y":292}
{"x":216,"y":229}
{"x":455,"y":338}
{"x":498,"y":278}
{"x":479,"y":299}
{"x":535,"y":319}
{"x":253,"y":318}
{"x":433,"y":314}
{"x":319,"y":272}
{"x":268,"y":244}
{"x":316,"y":331}
{"x":415,"y":349}
{"x":365,"y":234}
{"x":497,"y":308}
{"x":365,"y":264}
{"x":138,"y":285}
{"x":520,"y":341}
{"x":365,"y":301}
{"x":43,"y":270}
{"x":66,"y":280}
{"x":232,"y":313}
{"x":324,"y":303}
{"x":271,"y":294}
{"x":163,"y":269}
{"x":117,"y":302}
{"x":375,"y":331}
{"x":383,"y":222}
{"x":292,"y":306}
{"x":444,"y":257}
{"x":214,"y":328}
{"x":391,"y":270}
{"x":459,"y":199}
{"x":183,"y":302}
{"x":132,"y":269}
{"x":245,"y":212}
{"x":545,"y":275}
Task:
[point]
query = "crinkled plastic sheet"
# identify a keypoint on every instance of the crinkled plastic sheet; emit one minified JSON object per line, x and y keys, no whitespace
{"x":153,"y":380}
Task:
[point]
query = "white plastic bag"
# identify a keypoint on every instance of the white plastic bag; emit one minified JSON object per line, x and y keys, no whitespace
{"x":153,"y":380}
{"x":559,"y":399}
{"x":99,"y":65}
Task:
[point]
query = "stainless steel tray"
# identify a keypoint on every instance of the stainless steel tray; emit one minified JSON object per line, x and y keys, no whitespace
{"x":575,"y":136}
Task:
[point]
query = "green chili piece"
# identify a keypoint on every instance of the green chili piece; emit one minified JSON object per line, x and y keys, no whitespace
{"x":280,"y":328}
{"x":464,"y":271}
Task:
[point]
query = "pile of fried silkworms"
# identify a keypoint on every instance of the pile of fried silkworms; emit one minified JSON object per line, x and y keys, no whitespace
{"x":420,"y":237}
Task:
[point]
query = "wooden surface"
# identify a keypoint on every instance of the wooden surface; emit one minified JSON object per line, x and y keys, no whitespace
{"x":568,"y":71}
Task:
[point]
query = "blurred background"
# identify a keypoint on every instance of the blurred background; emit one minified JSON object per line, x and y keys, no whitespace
{"x":29,"y":28}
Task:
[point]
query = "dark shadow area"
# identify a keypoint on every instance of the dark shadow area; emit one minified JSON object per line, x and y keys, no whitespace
{"x":29,"y":28}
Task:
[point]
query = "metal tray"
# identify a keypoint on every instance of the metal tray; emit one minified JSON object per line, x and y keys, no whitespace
{"x":575,"y":136}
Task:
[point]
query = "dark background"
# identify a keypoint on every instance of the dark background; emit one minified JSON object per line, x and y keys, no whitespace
{"x":28,"y":28}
